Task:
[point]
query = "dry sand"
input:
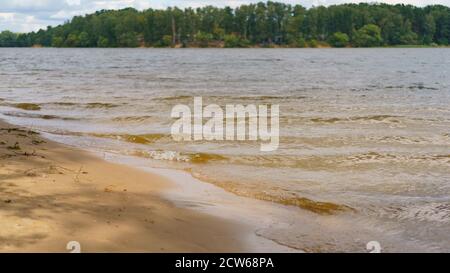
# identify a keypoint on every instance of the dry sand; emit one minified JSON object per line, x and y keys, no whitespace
{"x":52,"y":194}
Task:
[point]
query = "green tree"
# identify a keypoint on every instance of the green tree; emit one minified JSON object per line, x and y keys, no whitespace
{"x":339,"y":39}
{"x":368,"y":36}
{"x":203,"y":39}
{"x":313,"y":43}
{"x":301,"y":42}
{"x":103,"y":42}
{"x":429,"y":29}
{"x":233,"y":40}
{"x":167,"y":40}
{"x":57,"y":41}
{"x":72,"y":40}
{"x":7,"y":39}
{"x":84,"y":40}
{"x":128,"y":39}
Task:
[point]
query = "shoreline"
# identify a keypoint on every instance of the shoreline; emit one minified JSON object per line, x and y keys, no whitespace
{"x":249,"y":47}
{"x":204,"y":197}
{"x":52,"y":194}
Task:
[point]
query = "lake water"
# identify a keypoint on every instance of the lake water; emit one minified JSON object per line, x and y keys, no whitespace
{"x":365,"y":133}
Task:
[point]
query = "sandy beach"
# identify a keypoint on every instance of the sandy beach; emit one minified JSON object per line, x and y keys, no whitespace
{"x":51,"y":194}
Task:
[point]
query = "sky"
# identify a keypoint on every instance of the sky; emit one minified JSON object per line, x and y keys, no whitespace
{"x":31,"y":15}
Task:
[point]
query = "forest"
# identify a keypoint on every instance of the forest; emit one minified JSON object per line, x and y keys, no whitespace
{"x":269,"y":24}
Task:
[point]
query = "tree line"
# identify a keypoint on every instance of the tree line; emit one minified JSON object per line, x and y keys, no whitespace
{"x":261,"y":24}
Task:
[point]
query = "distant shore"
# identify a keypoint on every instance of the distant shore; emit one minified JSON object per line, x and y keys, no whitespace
{"x":262,"y":24}
{"x":256,"y":47}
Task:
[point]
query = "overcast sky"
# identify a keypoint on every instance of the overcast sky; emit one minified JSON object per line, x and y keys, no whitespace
{"x":29,"y":15}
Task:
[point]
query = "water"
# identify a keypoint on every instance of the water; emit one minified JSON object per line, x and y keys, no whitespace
{"x":365,"y":133}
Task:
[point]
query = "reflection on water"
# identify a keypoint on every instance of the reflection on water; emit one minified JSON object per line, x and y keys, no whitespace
{"x":365,"y":133}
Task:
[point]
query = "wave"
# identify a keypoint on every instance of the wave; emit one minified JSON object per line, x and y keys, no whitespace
{"x":264,"y":60}
{"x":421,"y":86}
{"x":269,"y":97}
{"x":84,"y":105}
{"x":377,"y":118}
{"x":289,"y":199}
{"x":161,"y":155}
{"x":404,"y":140}
{"x":36,"y":116}
{"x":101,"y":105}
{"x":344,"y":141}
{"x":37,"y":106}
{"x":374,"y":157}
{"x":428,"y":212}
{"x":172,"y":98}
{"x":312,"y":162}
{"x":137,"y":139}
{"x":62,"y":103}
{"x":235,"y":99}
{"x":196,"y":158}
{"x":323,"y":208}
{"x":27,"y":106}
{"x":131,"y":118}
{"x":205,"y":158}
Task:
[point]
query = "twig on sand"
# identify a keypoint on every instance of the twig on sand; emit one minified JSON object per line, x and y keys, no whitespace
{"x":49,"y":169}
{"x":28,"y":154}
{"x":78,"y":175}
{"x":15,"y":147}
